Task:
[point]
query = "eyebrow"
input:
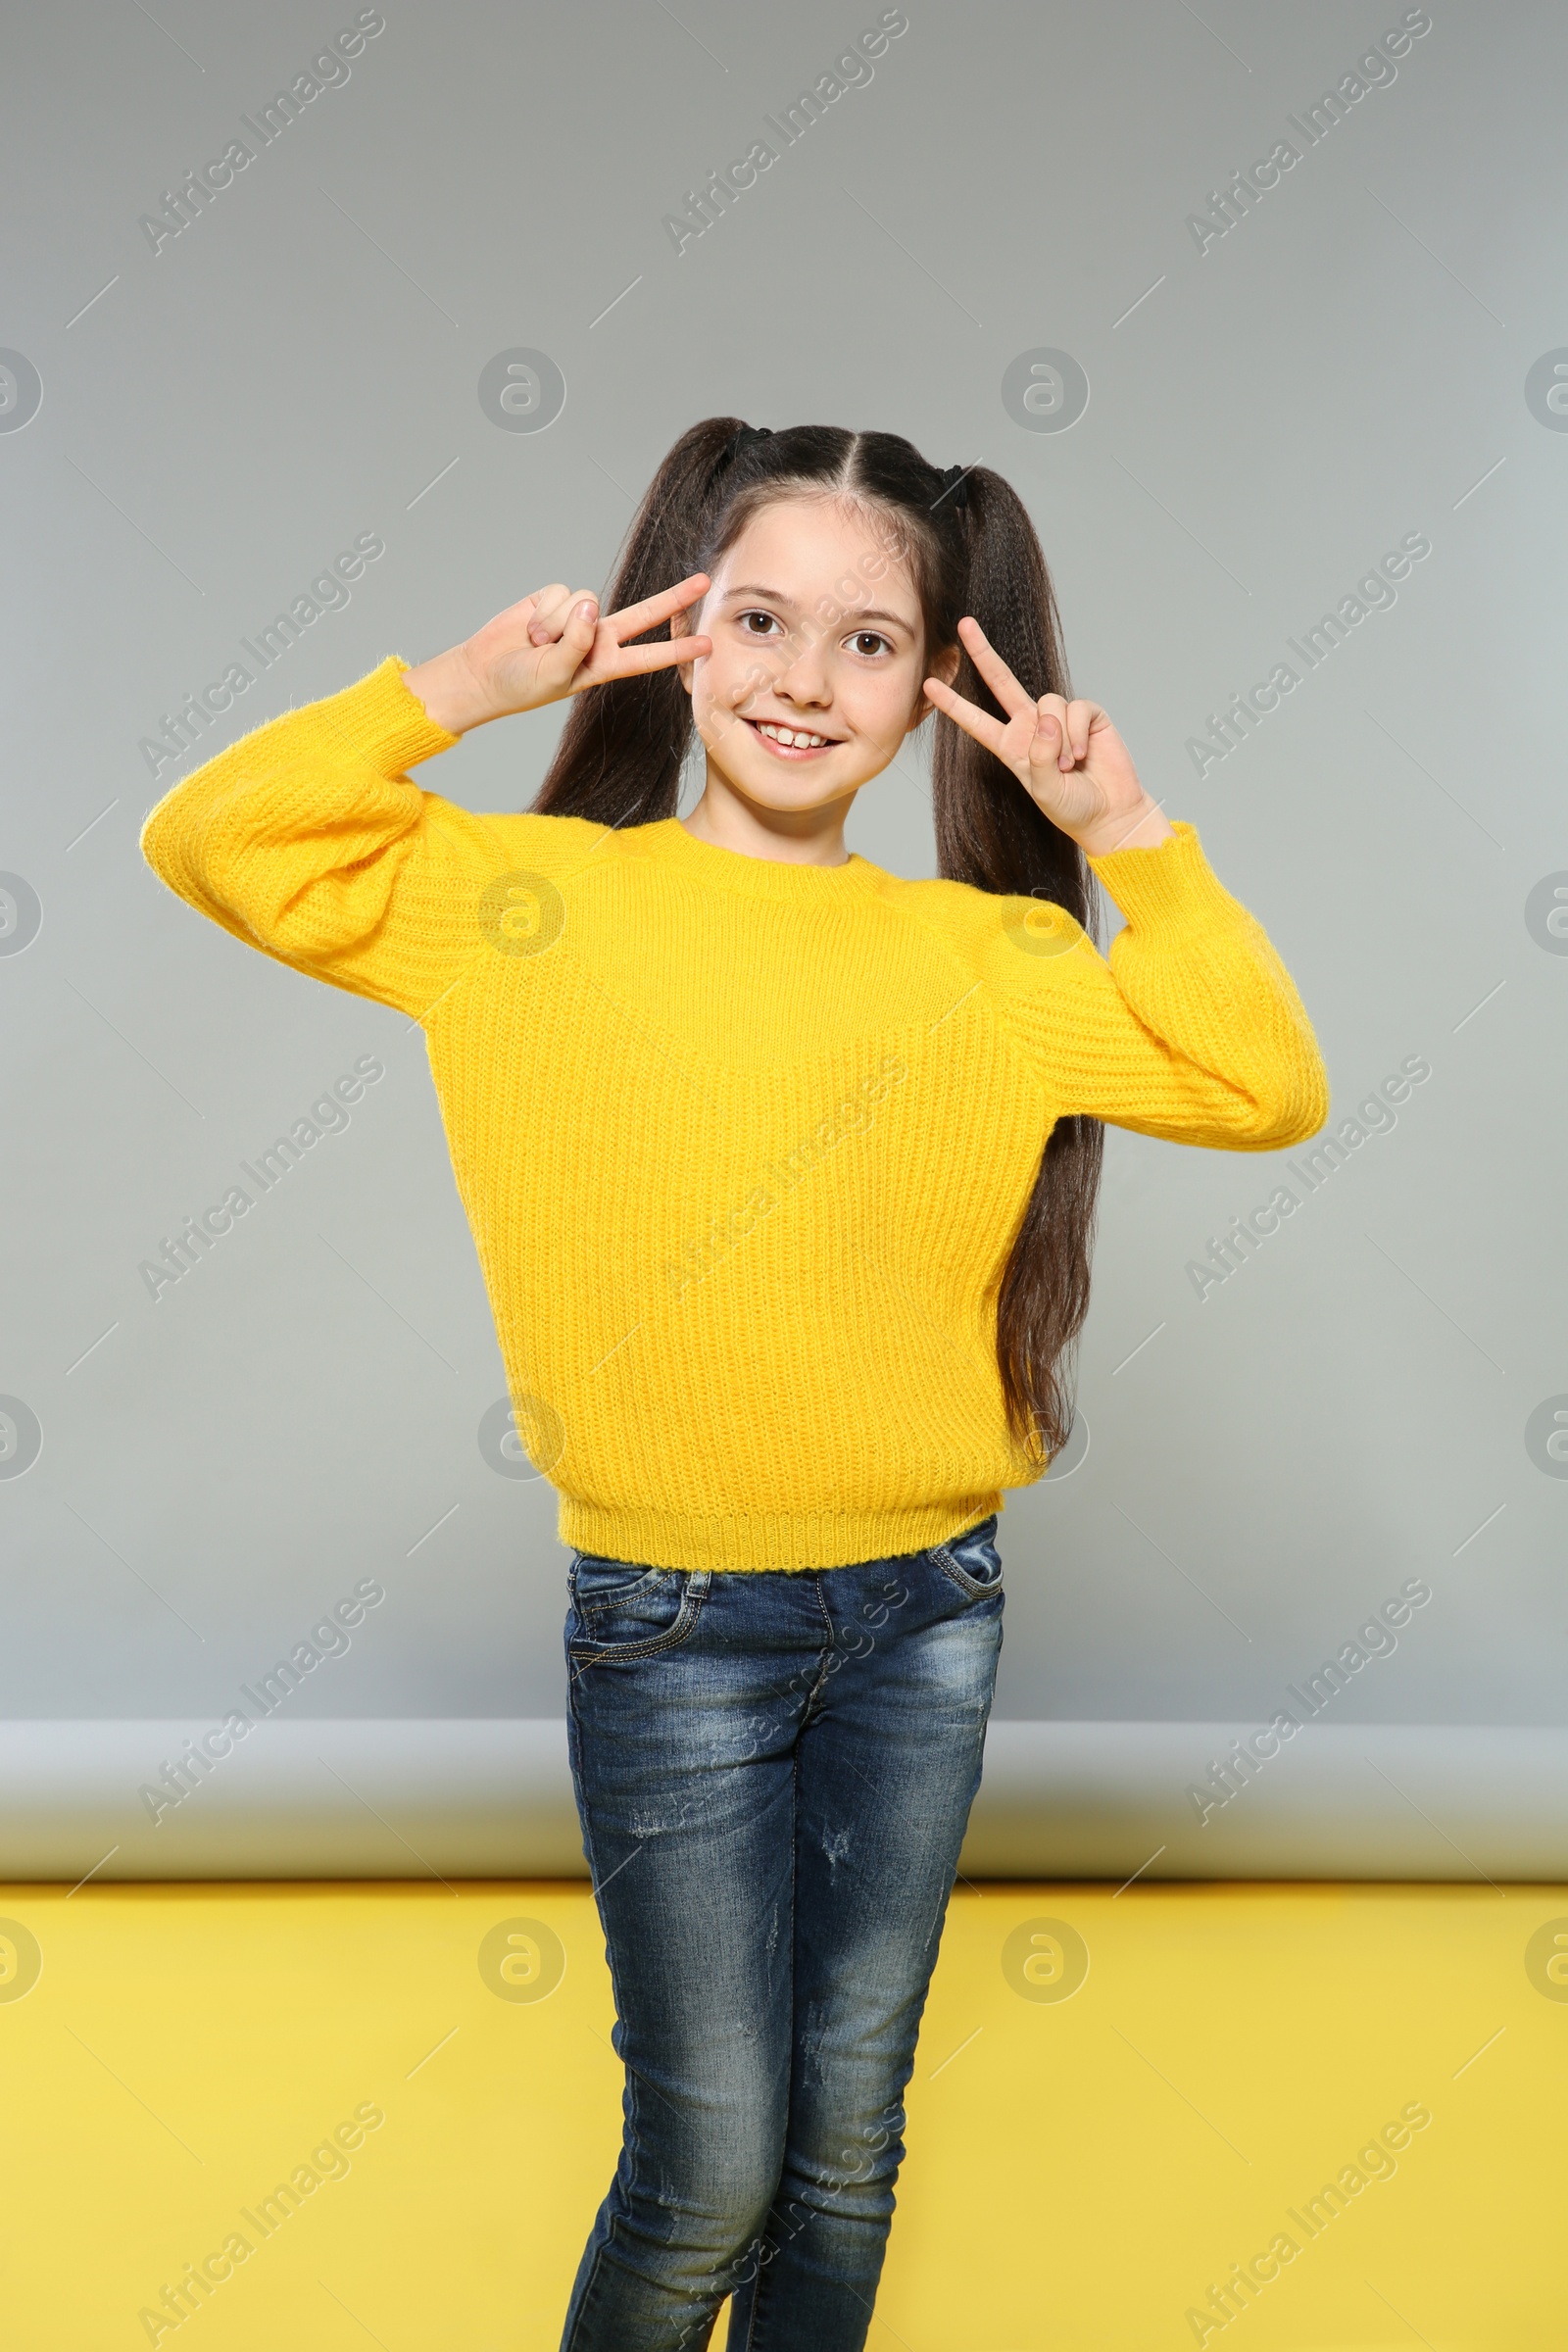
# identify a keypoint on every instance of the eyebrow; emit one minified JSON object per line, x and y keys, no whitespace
{"x":776,"y":596}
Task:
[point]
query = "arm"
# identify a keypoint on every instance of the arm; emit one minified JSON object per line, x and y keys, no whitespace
{"x":307,"y":839}
{"x":1192,"y":1031}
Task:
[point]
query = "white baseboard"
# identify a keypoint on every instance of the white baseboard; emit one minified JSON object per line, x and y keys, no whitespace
{"x":464,"y":1798}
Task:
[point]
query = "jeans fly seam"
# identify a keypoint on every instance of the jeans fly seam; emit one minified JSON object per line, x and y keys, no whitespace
{"x":827,"y":1621}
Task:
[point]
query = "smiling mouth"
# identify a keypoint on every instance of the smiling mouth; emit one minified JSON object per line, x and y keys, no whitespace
{"x":792,"y":743}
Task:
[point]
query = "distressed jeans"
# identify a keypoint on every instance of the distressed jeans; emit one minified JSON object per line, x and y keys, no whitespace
{"x":773,"y":1771}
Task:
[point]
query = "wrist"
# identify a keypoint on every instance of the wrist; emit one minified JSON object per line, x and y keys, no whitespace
{"x":1139,"y":828}
{"x":450,"y":692}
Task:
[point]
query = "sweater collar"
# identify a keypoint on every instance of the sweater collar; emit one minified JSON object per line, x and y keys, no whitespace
{"x":668,"y":843}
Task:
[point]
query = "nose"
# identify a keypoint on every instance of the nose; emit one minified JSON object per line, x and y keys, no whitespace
{"x":803,"y":677}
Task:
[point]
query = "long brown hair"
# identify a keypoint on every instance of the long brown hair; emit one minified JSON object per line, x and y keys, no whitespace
{"x":970,"y":549}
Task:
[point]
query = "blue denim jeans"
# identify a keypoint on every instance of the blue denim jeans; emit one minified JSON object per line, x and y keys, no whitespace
{"x":775,"y":1771}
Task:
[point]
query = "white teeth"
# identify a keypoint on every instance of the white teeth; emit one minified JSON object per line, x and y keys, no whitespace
{"x":793,"y":739}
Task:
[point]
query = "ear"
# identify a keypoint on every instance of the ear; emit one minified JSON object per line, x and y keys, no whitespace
{"x":944,"y":668}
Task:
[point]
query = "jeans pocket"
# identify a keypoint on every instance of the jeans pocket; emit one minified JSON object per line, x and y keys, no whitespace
{"x":620,"y":1609}
{"x":971,"y":1562}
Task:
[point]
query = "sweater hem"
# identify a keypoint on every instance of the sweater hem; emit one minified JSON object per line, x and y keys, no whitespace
{"x":751,"y":1540}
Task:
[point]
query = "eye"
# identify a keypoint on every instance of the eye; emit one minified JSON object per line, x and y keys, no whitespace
{"x":769,"y":620}
{"x":869,"y":642}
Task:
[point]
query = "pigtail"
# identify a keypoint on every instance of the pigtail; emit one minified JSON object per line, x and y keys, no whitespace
{"x":623,"y":745}
{"x":991,"y":835}
{"x":989,"y":831}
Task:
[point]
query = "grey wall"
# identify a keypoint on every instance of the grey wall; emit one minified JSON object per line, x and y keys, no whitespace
{"x":1363,"y":356}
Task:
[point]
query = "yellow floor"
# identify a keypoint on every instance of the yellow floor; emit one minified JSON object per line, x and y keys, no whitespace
{"x":1082,"y":2170}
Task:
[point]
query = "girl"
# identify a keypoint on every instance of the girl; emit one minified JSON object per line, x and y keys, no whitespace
{"x":782,"y":1173}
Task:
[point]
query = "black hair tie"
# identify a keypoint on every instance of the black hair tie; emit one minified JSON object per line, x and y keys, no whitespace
{"x":741,"y":439}
{"x":954,"y":486}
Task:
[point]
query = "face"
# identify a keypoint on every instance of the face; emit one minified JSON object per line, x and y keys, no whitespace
{"x":818,"y":662}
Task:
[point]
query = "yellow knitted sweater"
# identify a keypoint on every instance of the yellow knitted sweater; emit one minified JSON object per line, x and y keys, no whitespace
{"x":743,"y":1144}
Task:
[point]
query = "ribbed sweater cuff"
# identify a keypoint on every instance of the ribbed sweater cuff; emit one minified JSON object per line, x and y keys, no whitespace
{"x":379,"y":721}
{"x":1172,"y":886}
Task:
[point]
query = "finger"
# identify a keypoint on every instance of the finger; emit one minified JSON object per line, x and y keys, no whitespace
{"x":1051,"y":737}
{"x":1081,"y":717}
{"x":544,"y":633}
{"x":635,"y":660}
{"x":573,"y":647}
{"x":995,"y":672}
{"x":633,"y":619}
{"x":974,"y":721}
{"x":1049,"y":741}
{"x":552,"y":606}
{"x":522,"y":612}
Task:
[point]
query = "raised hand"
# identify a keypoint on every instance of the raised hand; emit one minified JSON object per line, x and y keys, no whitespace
{"x":551,"y":644}
{"x":1067,"y":755}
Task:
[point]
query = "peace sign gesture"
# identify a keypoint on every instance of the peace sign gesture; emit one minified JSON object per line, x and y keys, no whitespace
{"x":1067,"y":755}
{"x":552,"y":644}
